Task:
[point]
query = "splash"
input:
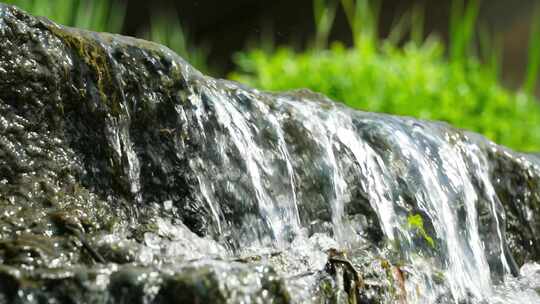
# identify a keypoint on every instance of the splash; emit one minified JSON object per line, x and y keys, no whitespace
{"x":271,"y":171}
{"x":127,"y":176}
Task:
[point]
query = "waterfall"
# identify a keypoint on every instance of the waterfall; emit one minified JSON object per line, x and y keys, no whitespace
{"x":271,"y":172}
{"x":126,"y":176}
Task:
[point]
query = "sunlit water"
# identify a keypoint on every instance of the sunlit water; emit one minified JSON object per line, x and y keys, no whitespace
{"x":282,"y":179}
{"x":272,"y":174}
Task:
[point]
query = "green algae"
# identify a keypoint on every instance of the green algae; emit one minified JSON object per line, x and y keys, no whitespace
{"x":415,"y":221}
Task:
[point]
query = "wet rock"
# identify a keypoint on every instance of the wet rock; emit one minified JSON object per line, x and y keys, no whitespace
{"x":126,"y":176}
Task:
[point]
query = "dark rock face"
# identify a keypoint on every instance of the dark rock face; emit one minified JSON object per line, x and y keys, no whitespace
{"x":88,"y":150}
{"x":518,"y":187}
{"x":100,"y":197}
{"x":93,"y":109}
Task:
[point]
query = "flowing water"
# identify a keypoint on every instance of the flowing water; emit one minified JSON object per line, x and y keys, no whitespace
{"x":127,"y":176}
{"x":273,"y":174}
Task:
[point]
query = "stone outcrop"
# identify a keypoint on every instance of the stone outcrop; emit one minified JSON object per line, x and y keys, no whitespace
{"x":100,"y":198}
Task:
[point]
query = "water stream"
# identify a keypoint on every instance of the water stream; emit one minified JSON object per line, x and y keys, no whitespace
{"x":129,"y":177}
{"x":271,"y":173}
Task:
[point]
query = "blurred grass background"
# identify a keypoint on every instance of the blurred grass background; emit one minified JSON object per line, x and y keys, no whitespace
{"x":96,"y":15}
{"x":407,"y":72}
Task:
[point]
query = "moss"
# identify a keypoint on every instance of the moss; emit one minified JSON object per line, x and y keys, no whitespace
{"x":95,"y":143}
{"x":97,"y":58}
{"x":416,"y":222}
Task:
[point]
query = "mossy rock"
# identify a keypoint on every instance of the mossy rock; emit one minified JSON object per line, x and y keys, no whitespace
{"x":97,"y":146}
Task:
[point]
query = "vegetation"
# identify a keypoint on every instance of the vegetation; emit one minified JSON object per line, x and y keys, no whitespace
{"x":96,"y":15}
{"x":108,"y":16}
{"x":167,"y":30}
{"x":416,"y":222}
{"x":417,"y":78}
{"x":404,"y":74}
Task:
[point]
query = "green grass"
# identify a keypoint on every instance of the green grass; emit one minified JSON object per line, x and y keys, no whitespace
{"x":419,"y":78}
{"x":533,"y":67}
{"x":165,"y":28}
{"x":95,"y":15}
{"x":108,"y":16}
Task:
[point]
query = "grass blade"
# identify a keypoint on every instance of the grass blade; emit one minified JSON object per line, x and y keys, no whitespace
{"x":324,"y":13}
{"x":533,"y":64}
{"x":462,"y":28}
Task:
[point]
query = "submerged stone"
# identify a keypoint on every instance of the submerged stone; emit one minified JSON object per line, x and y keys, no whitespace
{"x":126,"y":176}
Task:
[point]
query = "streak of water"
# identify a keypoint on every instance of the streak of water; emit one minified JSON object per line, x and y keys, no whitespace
{"x":268,"y":171}
{"x":238,"y":195}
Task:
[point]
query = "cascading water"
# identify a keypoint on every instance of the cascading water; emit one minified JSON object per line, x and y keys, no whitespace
{"x":263,"y":164}
{"x":126,"y":176}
